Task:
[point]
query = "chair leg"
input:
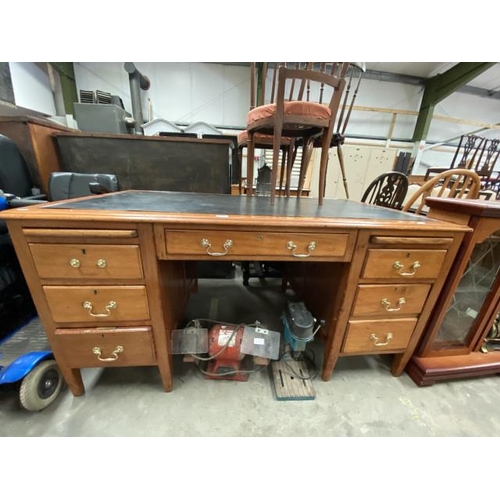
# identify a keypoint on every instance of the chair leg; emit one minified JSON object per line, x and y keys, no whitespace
{"x":342,"y":169}
{"x":250,"y":162}
{"x":325,"y":146}
{"x":283,"y":168}
{"x":306,"y":158}
{"x":240,"y":158}
{"x":291,"y":158}
{"x":276,"y":151}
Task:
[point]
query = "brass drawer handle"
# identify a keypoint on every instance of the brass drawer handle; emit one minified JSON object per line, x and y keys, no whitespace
{"x":101,"y":263}
{"x":292,"y":246}
{"x":89,"y":306}
{"x":97,"y":351}
{"x":401,"y":301}
{"x":206,"y":244}
{"x":399,"y":267}
{"x":375,"y":340}
{"x":74,"y":263}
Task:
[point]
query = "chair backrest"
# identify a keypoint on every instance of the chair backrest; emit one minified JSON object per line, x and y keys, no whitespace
{"x":387,"y":190}
{"x":15,"y":176}
{"x":276,"y":83}
{"x":65,"y":185}
{"x":487,"y":158}
{"x":454,"y":183}
{"x":470,"y":145}
{"x":353,"y":78}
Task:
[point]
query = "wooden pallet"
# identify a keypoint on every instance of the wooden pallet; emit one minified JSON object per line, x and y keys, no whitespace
{"x":287,"y":386}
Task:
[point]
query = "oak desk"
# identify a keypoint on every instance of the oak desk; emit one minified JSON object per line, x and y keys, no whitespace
{"x":111,"y":275}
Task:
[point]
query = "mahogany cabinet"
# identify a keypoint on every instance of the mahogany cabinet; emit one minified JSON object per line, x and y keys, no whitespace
{"x":458,"y":342}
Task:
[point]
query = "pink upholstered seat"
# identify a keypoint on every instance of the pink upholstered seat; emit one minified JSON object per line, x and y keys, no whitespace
{"x":298,"y":109}
{"x":260,"y":139}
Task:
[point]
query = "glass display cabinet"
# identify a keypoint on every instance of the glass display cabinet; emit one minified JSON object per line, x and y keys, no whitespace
{"x":462,"y":337}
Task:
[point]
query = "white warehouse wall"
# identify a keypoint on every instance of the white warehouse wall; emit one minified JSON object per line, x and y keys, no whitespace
{"x":31,"y":87}
{"x":182,"y":93}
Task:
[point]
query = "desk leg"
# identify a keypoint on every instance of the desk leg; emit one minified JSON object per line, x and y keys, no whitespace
{"x":330,"y":361}
{"x":73,"y":378}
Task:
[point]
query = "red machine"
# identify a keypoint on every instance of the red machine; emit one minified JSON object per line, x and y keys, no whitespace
{"x":224,"y":342}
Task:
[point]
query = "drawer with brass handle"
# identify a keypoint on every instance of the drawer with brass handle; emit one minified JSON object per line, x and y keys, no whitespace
{"x":252,"y":244}
{"x":390,"y":335}
{"x":405,"y":264}
{"x":95,"y":304}
{"x":87,"y":261}
{"x":110,"y":346}
{"x":388,"y":300}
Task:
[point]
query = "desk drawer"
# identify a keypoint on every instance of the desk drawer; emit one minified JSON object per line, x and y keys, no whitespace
{"x":97,"y":304}
{"x":390,"y":300}
{"x":378,"y":336}
{"x":406,"y":264}
{"x":83,"y":347}
{"x":258,"y":244}
{"x":87,"y":261}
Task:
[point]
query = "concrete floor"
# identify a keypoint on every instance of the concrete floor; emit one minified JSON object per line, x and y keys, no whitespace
{"x":361,"y":399}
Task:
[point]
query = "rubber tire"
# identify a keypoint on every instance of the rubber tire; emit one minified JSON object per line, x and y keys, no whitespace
{"x":28,"y":393}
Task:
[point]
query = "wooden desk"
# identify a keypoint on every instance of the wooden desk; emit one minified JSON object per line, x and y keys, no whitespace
{"x":111,"y":275}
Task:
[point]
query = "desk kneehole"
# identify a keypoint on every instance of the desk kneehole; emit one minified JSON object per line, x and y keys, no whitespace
{"x":232,"y":244}
{"x":378,"y":336}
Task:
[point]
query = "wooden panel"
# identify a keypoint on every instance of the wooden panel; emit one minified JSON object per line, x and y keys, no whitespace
{"x":381,"y":264}
{"x":390,"y":300}
{"x":258,"y":244}
{"x":378,"y":336}
{"x":87,"y":261}
{"x":81,"y":233}
{"x":33,"y":137}
{"x":45,"y":150}
{"x":66,"y":303}
{"x":117,"y":346}
{"x":399,"y":240}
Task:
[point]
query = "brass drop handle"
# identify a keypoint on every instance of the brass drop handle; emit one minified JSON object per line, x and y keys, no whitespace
{"x":376,"y":341}
{"x":74,"y":263}
{"x":399,"y":268}
{"x":206,"y":244}
{"x":89,"y":306}
{"x":97,"y":351}
{"x":101,"y":263}
{"x":386,"y":303}
{"x":310,"y":248}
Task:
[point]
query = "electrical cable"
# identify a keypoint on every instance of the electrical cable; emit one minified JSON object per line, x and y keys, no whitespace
{"x":302,"y":357}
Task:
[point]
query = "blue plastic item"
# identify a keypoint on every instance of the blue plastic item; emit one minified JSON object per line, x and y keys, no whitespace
{"x":19,"y":368}
{"x":25,"y":357}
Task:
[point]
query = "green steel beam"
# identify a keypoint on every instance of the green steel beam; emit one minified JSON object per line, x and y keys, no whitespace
{"x":441,"y":86}
{"x":68,"y":84}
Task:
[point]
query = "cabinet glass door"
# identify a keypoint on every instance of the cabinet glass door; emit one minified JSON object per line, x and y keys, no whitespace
{"x":477,"y":282}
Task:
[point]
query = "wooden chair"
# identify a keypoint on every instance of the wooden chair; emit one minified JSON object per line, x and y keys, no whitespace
{"x":454,"y":183}
{"x":387,"y":190}
{"x":295,"y":109}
